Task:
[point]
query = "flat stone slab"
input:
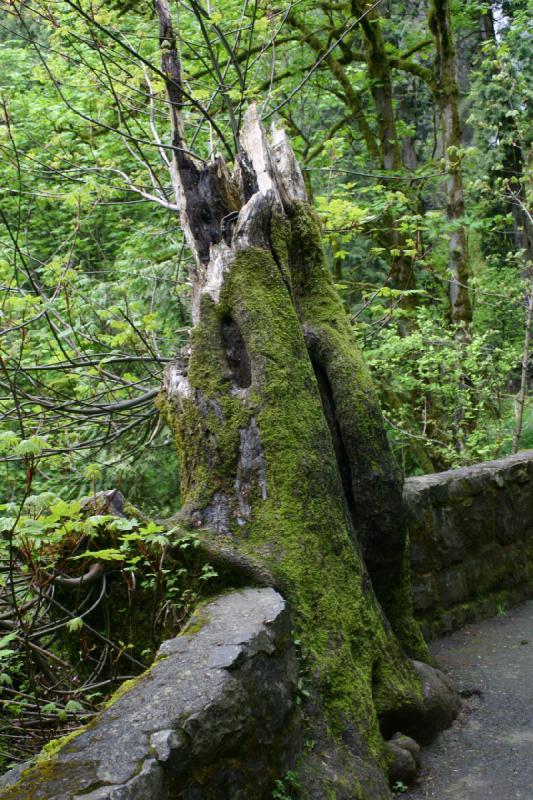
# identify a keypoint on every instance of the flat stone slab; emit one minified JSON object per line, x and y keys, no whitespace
{"x":487,"y":754}
{"x":214,"y":717}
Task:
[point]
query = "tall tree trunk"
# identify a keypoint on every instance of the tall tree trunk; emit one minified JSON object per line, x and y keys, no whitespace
{"x":520,"y":401}
{"x":512,"y":173}
{"x":486,"y":23}
{"x":512,"y":168}
{"x":446,"y":92}
{"x":380,"y":85}
{"x":386,"y":154}
{"x":402,"y":274}
{"x":283,"y":455}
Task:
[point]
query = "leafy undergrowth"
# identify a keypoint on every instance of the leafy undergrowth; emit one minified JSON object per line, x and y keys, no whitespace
{"x":85,"y":600}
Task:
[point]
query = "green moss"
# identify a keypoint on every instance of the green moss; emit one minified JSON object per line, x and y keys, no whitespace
{"x":301,"y":531}
{"x":52,"y":748}
{"x":205,"y":466}
{"x":123,"y":689}
{"x":380,"y":520}
{"x":42,"y":771}
{"x":198,"y":621}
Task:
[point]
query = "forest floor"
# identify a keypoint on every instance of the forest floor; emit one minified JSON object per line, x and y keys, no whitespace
{"x":487,"y":754}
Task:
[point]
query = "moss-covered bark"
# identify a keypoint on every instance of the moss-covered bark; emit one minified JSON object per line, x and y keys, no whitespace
{"x":298,"y":523}
{"x":284,"y":458}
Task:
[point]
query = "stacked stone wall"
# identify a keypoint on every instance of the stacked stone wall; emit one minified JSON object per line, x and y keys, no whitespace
{"x":471,"y":541}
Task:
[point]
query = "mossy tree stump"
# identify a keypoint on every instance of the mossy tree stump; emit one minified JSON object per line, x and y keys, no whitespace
{"x":283,"y":454}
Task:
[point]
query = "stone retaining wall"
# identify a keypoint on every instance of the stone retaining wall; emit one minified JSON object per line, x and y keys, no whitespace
{"x":214,"y":718}
{"x":471,"y":541}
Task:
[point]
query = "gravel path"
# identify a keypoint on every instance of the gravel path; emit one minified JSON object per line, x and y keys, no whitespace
{"x":487,"y":754}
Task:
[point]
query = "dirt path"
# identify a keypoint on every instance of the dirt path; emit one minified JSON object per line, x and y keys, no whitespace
{"x":488,"y":752}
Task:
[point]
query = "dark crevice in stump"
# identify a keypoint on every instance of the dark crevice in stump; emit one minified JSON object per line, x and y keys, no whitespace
{"x":343,"y":460}
{"x":236,"y":353}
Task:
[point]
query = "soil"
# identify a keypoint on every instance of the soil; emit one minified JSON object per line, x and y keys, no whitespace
{"x":487,"y":754}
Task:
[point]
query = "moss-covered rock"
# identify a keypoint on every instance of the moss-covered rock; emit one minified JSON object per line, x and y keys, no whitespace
{"x":215,"y":717}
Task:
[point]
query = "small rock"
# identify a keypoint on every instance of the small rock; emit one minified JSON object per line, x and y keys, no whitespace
{"x":441,"y":701}
{"x":402,"y":765}
{"x":406,"y":743}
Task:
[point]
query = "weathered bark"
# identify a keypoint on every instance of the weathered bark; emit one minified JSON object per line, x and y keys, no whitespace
{"x":446,"y":92}
{"x":284,"y":458}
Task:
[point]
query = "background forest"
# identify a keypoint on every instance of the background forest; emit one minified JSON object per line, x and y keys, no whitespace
{"x":412,"y":122}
